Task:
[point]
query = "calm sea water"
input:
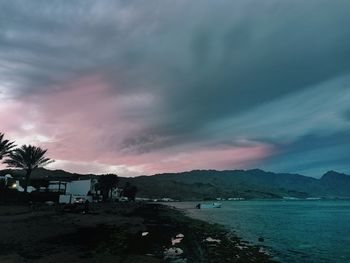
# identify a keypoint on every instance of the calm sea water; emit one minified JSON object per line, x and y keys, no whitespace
{"x":295,"y":231}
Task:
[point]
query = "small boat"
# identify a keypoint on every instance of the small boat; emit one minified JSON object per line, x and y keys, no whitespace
{"x":213,"y":205}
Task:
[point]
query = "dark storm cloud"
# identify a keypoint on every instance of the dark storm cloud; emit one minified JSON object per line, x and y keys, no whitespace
{"x":312,"y":155}
{"x":300,"y":46}
{"x":226,"y":56}
{"x":216,"y":71}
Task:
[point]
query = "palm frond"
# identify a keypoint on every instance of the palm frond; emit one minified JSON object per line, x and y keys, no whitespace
{"x":28,"y":157}
{"x":5,"y":146}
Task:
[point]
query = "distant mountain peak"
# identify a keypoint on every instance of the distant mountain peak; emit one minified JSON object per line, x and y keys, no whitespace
{"x":334,"y":173}
{"x":333,"y":177}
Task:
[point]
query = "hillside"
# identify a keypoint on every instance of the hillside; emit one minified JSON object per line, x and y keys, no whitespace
{"x":241,"y":183}
{"x":210,"y":184}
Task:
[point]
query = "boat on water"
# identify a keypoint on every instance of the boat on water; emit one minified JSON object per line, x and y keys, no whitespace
{"x":212,"y":205}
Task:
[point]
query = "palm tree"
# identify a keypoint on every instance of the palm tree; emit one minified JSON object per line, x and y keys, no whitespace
{"x":29,"y":158}
{"x":5,"y":146}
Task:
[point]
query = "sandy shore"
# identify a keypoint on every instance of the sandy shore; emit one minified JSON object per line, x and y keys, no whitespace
{"x":118,"y":232}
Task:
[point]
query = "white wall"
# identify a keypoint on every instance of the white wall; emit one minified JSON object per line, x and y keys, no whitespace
{"x":81,"y":187}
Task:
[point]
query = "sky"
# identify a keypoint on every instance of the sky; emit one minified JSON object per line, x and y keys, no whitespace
{"x":153,"y":86}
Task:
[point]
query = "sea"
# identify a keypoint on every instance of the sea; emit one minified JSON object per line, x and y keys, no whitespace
{"x":312,"y":231}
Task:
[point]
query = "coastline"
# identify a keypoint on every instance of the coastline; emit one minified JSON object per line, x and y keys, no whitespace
{"x":118,"y":232}
{"x":231,"y":247}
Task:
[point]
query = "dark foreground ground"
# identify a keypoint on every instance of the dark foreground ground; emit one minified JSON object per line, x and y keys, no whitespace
{"x":118,"y":232}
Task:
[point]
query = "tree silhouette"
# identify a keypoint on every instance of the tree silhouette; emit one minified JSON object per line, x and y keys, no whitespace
{"x":106,"y":183}
{"x":129,"y":191}
{"x":29,"y":158}
{"x":5,"y":146}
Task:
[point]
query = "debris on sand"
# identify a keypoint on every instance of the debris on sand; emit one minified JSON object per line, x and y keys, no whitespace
{"x":178,"y":238}
{"x":209,"y":239}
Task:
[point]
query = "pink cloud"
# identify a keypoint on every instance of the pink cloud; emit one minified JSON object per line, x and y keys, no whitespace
{"x":85,"y":123}
{"x":13,"y":115}
{"x":86,"y":119}
{"x":207,"y":158}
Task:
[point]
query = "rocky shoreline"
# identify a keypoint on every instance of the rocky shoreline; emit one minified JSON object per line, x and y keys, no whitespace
{"x":118,"y":232}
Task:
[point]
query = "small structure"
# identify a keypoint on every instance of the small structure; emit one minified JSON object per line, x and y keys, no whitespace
{"x":21,"y":189}
{"x":78,"y":191}
{"x":57,"y":186}
{"x":235,"y":199}
{"x":63,"y":190}
{"x":7,"y":181}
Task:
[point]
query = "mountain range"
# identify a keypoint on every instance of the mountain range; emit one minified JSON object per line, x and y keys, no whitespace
{"x":211,"y":184}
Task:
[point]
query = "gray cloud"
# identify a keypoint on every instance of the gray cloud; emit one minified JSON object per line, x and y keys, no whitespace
{"x":312,"y":155}
{"x":209,"y":64}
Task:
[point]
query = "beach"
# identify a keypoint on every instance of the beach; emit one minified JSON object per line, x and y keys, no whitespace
{"x":117,"y":232}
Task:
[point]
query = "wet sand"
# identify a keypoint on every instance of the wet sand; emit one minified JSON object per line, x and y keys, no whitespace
{"x":116,"y":232}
